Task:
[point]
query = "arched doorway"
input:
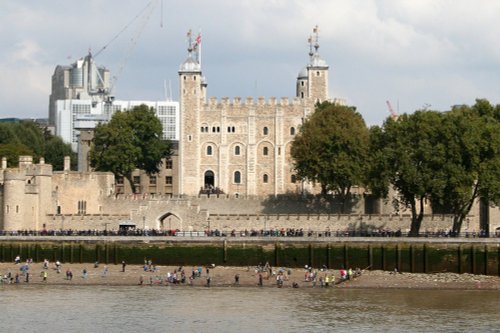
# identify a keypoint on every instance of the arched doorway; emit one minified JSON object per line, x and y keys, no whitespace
{"x":209,"y":181}
{"x":170,"y":222}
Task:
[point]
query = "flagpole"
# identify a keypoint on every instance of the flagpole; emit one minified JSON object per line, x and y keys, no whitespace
{"x":199,"y":48}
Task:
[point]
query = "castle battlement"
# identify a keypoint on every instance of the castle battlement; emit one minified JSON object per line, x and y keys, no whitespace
{"x":251,"y":102}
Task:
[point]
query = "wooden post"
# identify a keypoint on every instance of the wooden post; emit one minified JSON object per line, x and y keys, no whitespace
{"x":311,"y":255}
{"x":328,"y":255}
{"x":276,"y":254}
{"x":426,"y":262}
{"x":398,"y":258}
{"x":412,"y":259}
{"x":459,"y":259}
{"x":346,"y":256}
{"x":485,"y":260}
{"x":382,"y":253}
{"x":473,"y":259}
{"x":224,"y":246}
{"x":370,"y":257}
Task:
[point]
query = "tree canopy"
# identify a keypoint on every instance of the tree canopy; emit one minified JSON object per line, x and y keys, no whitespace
{"x":27,"y":138}
{"x":131,"y":140}
{"x":331,"y":149}
{"x":450,"y":159}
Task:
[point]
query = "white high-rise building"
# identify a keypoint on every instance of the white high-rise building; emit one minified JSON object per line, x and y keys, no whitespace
{"x":73,"y":116}
{"x":82,"y":80}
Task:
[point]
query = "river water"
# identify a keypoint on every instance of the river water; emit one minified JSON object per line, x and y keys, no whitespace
{"x":184,"y":309}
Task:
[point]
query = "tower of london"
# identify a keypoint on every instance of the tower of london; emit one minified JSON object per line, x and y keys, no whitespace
{"x":241,"y":146}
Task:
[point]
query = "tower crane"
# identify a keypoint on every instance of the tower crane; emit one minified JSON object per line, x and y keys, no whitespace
{"x":394,"y":115}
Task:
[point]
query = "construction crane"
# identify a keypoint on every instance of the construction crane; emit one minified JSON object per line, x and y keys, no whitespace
{"x":144,"y":16}
{"x":394,"y":115}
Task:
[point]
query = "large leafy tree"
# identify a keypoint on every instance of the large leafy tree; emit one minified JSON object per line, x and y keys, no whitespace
{"x":131,"y":140}
{"x":27,"y":138}
{"x":331,"y":149}
{"x":472,"y":164}
{"x":408,"y":155}
{"x":56,"y":150}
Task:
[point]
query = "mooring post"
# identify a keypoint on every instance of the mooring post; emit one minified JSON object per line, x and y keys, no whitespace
{"x":459,"y":259}
{"x":486,"y":260}
{"x":224,"y":246}
{"x":346,"y":256}
{"x":473,"y":259}
{"x":426,"y":263}
{"x":370,"y":257}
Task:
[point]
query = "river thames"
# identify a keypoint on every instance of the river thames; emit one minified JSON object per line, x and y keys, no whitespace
{"x":244,"y":309}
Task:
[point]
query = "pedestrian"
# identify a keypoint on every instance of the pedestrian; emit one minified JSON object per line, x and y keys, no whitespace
{"x":208,"y":280}
{"x":84,"y":273}
{"x":105,"y":271}
{"x":44,"y":276}
{"x":27,"y":277}
{"x":141,"y":280}
{"x":123,"y":265}
{"x":260,"y":280}
{"x":237,"y":279}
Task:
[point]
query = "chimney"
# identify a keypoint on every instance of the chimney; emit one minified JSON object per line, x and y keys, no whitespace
{"x":67,"y":163}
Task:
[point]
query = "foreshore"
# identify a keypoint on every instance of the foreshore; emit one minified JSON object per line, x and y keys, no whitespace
{"x":224,"y":276}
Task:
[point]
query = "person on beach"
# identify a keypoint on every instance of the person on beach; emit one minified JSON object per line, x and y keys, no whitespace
{"x":17,"y":261}
{"x":260,"y":280}
{"x":237,"y":279}
{"x":45,"y":264}
{"x":123,"y":266}
{"x":208,"y":280}
{"x":27,"y":277}
{"x":141,"y":280}
{"x":105,"y":271}
{"x":84,"y":273}
{"x":44,"y":276}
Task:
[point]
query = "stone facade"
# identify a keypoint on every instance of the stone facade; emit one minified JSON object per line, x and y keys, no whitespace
{"x":33,"y":197}
{"x":242,"y":146}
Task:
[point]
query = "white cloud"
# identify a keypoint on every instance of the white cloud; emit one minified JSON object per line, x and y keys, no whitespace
{"x":440,"y":52}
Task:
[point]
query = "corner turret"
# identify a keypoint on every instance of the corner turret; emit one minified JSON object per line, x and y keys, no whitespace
{"x":312,"y":81}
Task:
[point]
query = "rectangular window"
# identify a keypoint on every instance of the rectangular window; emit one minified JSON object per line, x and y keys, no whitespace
{"x":137,"y":180}
{"x":152,"y":180}
{"x":119,"y":180}
{"x":168,"y":180}
{"x":168,"y":164}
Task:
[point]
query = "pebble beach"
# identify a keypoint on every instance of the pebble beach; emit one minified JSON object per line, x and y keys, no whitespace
{"x":223,"y":276}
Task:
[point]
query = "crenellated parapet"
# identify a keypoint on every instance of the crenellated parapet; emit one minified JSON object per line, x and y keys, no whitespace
{"x":213,"y":103}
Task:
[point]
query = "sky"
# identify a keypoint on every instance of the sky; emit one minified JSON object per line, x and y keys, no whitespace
{"x":414,"y":53}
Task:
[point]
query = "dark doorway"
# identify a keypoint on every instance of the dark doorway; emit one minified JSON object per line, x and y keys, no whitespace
{"x":209,"y":180}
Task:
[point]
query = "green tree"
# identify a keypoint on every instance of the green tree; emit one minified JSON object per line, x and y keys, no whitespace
{"x":12,"y":151}
{"x":472,"y":164}
{"x":131,"y":140}
{"x":56,"y":150}
{"x":331,"y":149}
{"x":408,"y":155}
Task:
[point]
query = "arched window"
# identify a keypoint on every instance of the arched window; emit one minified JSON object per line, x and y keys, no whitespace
{"x":265,"y":178}
{"x":292,"y":130}
{"x":265,"y":151}
{"x":265,"y":131}
{"x":237,"y":150}
{"x":233,"y":129}
{"x":237,"y":177}
{"x":202,"y":129}
{"x":293,"y":179}
{"x":209,"y":150}
{"x":301,"y":94}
